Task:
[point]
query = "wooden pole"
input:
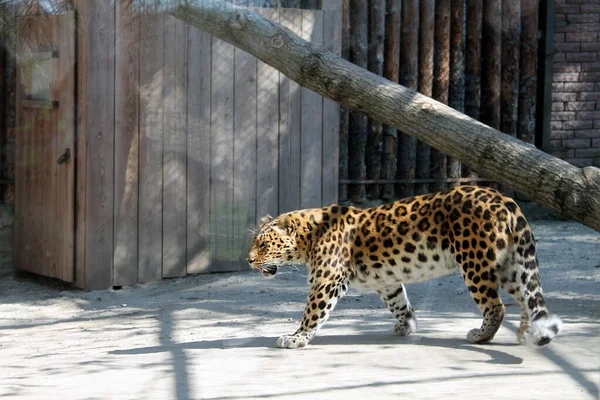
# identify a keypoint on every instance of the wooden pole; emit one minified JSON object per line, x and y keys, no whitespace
{"x":528,"y":69}
{"x":409,"y":56}
{"x":511,"y":31}
{"x":391,"y":72}
{"x":344,"y":111}
{"x":571,"y":191}
{"x":357,"y":139}
{"x":441,"y":71}
{"x":457,"y":70}
{"x":490,"y":68}
{"x":375,"y":129}
{"x":473,"y":66}
{"x":426,"y":47}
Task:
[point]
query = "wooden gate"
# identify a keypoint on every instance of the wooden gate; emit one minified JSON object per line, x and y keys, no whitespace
{"x":44,"y":214}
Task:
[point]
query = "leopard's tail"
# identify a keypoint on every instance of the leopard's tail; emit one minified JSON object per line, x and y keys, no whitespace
{"x":538,"y":326}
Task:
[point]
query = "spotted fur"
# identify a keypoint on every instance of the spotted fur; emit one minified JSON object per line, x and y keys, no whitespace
{"x":473,"y":229}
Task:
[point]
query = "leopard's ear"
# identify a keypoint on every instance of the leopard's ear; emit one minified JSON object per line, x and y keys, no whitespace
{"x":285,"y":224}
{"x":265,"y":219}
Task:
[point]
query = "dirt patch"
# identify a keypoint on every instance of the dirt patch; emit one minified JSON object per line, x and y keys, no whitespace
{"x":212,"y":336}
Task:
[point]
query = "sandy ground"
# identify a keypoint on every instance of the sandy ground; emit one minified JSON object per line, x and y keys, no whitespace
{"x":212,"y":337}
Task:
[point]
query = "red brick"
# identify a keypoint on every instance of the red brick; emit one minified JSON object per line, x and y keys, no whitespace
{"x":595,"y":46}
{"x":559,"y":135}
{"x":559,"y":57}
{"x":567,"y":9}
{"x":590,"y":8}
{"x":581,"y":37}
{"x":589,"y":152}
{"x":566,"y":27}
{"x":581,"y":57}
{"x":564,"y":153}
{"x":578,"y":124}
{"x":578,"y":18}
{"x":587,"y":134}
{"x":555,"y":144}
{"x":589,"y":77}
{"x":576,"y":143}
{"x":556,"y":125}
{"x":566,"y":77}
{"x":567,"y":47}
{"x":585,"y":96}
{"x":559,"y":106}
{"x":580,"y":106}
{"x":596,"y":143}
{"x":588,"y":67}
{"x":588,"y":115}
{"x":558,"y":87}
{"x":579,"y":162}
{"x":563,"y":116}
{"x":566,"y":67}
{"x":579,"y":87}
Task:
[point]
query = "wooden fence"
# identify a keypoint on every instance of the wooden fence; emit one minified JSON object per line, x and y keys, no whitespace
{"x":480,"y":57}
{"x":206,"y":140}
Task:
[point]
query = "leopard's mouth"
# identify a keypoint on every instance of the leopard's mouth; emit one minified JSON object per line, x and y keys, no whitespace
{"x":268,"y":270}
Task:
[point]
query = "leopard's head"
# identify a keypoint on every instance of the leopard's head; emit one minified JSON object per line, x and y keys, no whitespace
{"x":274,"y":244}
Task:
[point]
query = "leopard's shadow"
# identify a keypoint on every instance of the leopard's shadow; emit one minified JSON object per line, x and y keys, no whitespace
{"x":491,"y":349}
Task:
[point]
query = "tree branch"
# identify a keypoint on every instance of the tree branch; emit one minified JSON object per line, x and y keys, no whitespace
{"x":569,"y":190}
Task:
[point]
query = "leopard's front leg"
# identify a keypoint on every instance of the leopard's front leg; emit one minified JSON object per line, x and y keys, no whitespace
{"x":323,"y":296}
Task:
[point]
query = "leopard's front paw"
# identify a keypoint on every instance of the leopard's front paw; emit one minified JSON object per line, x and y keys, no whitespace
{"x":291,"y":341}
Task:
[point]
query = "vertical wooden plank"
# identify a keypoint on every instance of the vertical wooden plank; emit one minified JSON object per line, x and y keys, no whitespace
{"x":290,"y":100}
{"x":391,"y":71}
{"x":244,"y":148}
{"x":332,"y":39}
{"x":101,"y":141}
{"x":490,"y":68}
{"x":511,"y":34}
{"x":473,"y":65}
{"x":198,"y":153}
{"x":528,"y":71}
{"x":82,"y":171}
{"x":357,"y":135}
{"x":441,"y":71}
{"x":174,"y":151}
{"x":151,"y":147}
{"x":311,"y":145}
{"x":20,"y":158}
{"x":126,"y":143}
{"x":221,"y":172}
{"x":344,"y":111}
{"x":457,"y":69}
{"x":375,"y":65}
{"x":426,"y":48}
{"x":409,"y":74}
{"x":66,"y":131}
{"x":267,"y":133}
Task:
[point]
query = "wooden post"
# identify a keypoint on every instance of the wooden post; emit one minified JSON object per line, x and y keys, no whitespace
{"x":426,"y":48}
{"x":511,"y":31}
{"x":473,"y":66}
{"x":490,"y":68}
{"x":409,"y":56}
{"x":390,"y":71}
{"x":374,"y":139}
{"x":528,"y":71}
{"x":457,"y":69}
{"x":359,"y":18}
{"x":441,"y":71}
{"x":344,"y":111}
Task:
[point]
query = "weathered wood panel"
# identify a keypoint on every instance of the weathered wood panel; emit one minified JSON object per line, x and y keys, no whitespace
{"x":311,"y":146}
{"x":198,"y":151}
{"x":267,"y":131}
{"x":528,"y":71}
{"x":491,"y":63}
{"x":290,"y":100}
{"x":332,"y":31}
{"x":174,"y":147}
{"x":510,"y":39}
{"x":151,"y":147}
{"x":221,"y":189}
{"x":244,"y":148}
{"x":457,"y":69}
{"x":127,"y":64}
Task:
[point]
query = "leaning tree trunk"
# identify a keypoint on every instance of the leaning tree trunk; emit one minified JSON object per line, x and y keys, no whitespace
{"x":571,"y":191}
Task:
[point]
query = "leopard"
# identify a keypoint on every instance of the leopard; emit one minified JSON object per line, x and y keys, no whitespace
{"x":474,"y":229}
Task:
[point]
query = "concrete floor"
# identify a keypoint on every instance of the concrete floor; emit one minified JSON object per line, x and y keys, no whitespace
{"x":212,"y":337}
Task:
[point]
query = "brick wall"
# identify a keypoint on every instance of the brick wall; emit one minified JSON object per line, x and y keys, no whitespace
{"x":576,"y":82}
